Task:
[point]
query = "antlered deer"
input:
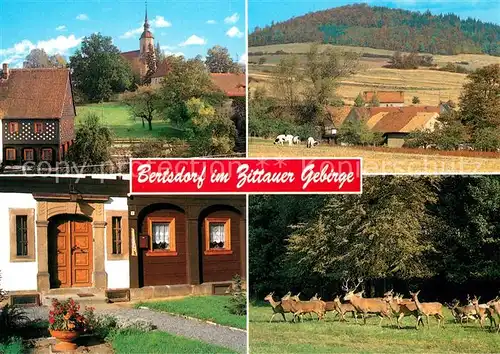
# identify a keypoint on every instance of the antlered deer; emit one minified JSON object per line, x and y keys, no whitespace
{"x":366,"y":305}
{"x":428,"y":309}
{"x":462,"y":312}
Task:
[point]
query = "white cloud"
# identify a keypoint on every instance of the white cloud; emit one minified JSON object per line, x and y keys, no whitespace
{"x":60,"y":28}
{"x":82,"y":17}
{"x":177,"y":54}
{"x":61,"y":45}
{"x":243,"y":59}
{"x":234,"y":32}
{"x":132,"y":33}
{"x":211,"y":22}
{"x":193,"y":40}
{"x":232,"y":19}
{"x":160,"y":22}
{"x":168,"y":47}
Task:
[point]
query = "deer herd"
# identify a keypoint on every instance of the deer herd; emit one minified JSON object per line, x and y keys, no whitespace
{"x":385,"y":307}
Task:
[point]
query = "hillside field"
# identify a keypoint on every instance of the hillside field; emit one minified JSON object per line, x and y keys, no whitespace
{"x":429,"y":85}
{"x":117,"y":117}
{"x":331,"y":336}
{"x":377,"y":161}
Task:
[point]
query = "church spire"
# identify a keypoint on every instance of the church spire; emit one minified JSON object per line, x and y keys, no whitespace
{"x":146,"y":23}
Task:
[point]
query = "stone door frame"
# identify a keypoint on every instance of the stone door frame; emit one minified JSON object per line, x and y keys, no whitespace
{"x":91,"y":207}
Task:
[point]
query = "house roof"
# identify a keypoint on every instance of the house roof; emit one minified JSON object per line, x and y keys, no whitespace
{"x":131,"y":55}
{"x":337,"y":115}
{"x":34,"y":93}
{"x":233,"y":85}
{"x":403,"y":119}
{"x":385,"y":96}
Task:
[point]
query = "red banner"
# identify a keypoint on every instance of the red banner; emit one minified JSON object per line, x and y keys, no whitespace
{"x":228,"y":176}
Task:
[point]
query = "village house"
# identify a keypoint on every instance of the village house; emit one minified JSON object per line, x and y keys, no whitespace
{"x":395,"y":123}
{"x":37,"y":115}
{"x":87,"y":236}
{"x":385,"y":98}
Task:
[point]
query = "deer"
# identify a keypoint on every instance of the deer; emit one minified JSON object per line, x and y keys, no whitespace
{"x":343,"y":308}
{"x":401,"y":307}
{"x":483,"y":311}
{"x":279,"y":307}
{"x":462,"y":312}
{"x":366,"y":305}
{"x":428,"y":309}
{"x":495,"y":306}
{"x":329,"y":305}
{"x":302,"y":307}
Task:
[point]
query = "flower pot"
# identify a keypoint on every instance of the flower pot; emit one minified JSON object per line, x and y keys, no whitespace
{"x":65,"y":340}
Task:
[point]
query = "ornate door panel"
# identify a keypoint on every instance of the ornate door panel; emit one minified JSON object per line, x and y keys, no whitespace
{"x":73,"y":263}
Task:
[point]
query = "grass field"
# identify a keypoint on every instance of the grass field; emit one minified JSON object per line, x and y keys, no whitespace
{"x":117,"y":117}
{"x":126,"y":342}
{"x":211,"y":308}
{"x":332,"y":336}
{"x":376,"y":161}
{"x":429,"y":85}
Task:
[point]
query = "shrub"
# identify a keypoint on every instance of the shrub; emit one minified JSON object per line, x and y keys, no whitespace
{"x":13,"y":345}
{"x":415,"y":100}
{"x":3,"y":293}
{"x":487,"y":139}
{"x":238,"y":302}
{"x":11,"y":318}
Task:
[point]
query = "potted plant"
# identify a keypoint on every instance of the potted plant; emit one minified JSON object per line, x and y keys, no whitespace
{"x":66,"y":324}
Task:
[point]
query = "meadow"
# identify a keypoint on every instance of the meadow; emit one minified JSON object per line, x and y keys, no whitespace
{"x":429,"y":85}
{"x":333,"y":336}
{"x":379,"y":161}
{"x":116,"y":116}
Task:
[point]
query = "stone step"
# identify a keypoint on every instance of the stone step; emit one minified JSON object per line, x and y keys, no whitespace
{"x":83,"y":298}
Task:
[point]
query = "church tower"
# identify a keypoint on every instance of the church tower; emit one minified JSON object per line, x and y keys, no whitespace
{"x":146,"y":37}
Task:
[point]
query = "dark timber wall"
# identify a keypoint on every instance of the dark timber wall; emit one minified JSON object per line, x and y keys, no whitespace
{"x":190,"y":265}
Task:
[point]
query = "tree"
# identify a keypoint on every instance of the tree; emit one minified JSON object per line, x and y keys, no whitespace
{"x":143,"y":103}
{"x":218,"y":60}
{"x":356,"y":132}
{"x":99,"y":71}
{"x":38,"y":58}
{"x":375,"y":102}
{"x":262,"y":60}
{"x":92,"y":142}
{"x":480,"y":98}
{"x":151,"y":64}
{"x":287,"y":80}
{"x":415,"y":100}
{"x":211,"y":132}
{"x":186,"y":79}
{"x":487,"y":139}
{"x":160,"y":55}
{"x":359,"y":101}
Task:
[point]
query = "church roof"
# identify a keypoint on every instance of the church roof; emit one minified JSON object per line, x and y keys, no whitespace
{"x":131,"y":55}
{"x":147,"y":34}
{"x":34,"y":93}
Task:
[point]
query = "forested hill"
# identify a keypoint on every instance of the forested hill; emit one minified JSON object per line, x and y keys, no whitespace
{"x":384,"y":28}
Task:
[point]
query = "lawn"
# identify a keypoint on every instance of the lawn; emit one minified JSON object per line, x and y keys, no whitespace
{"x":377,"y":161}
{"x":13,"y":346}
{"x":335,"y":337}
{"x":117,"y":117}
{"x":160,"y":342}
{"x":211,"y":308}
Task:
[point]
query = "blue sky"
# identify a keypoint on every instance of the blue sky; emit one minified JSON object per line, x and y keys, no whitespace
{"x":189,"y":27}
{"x":262,"y":12}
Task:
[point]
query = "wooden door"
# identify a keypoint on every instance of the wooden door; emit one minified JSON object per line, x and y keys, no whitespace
{"x":74,"y":254}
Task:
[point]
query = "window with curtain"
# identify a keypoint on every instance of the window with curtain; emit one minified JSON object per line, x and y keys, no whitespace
{"x":160,"y":236}
{"x":217,"y":235}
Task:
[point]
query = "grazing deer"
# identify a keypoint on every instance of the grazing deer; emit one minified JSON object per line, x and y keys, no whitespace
{"x":428,"y":309}
{"x":401,"y":307}
{"x":279,"y":307}
{"x":302,"y":307}
{"x":343,"y":308}
{"x":495,"y":306}
{"x":462,"y":312}
{"x":366,"y":305}
{"x":483,"y":311}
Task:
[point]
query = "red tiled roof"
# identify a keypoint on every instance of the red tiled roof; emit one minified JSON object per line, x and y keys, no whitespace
{"x":34,"y":93}
{"x":161,"y":70}
{"x":338,"y":114}
{"x":385,"y":96}
{"x":396,"y":119}
{"x":133,"y":54}
{"x":233,"y":85}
